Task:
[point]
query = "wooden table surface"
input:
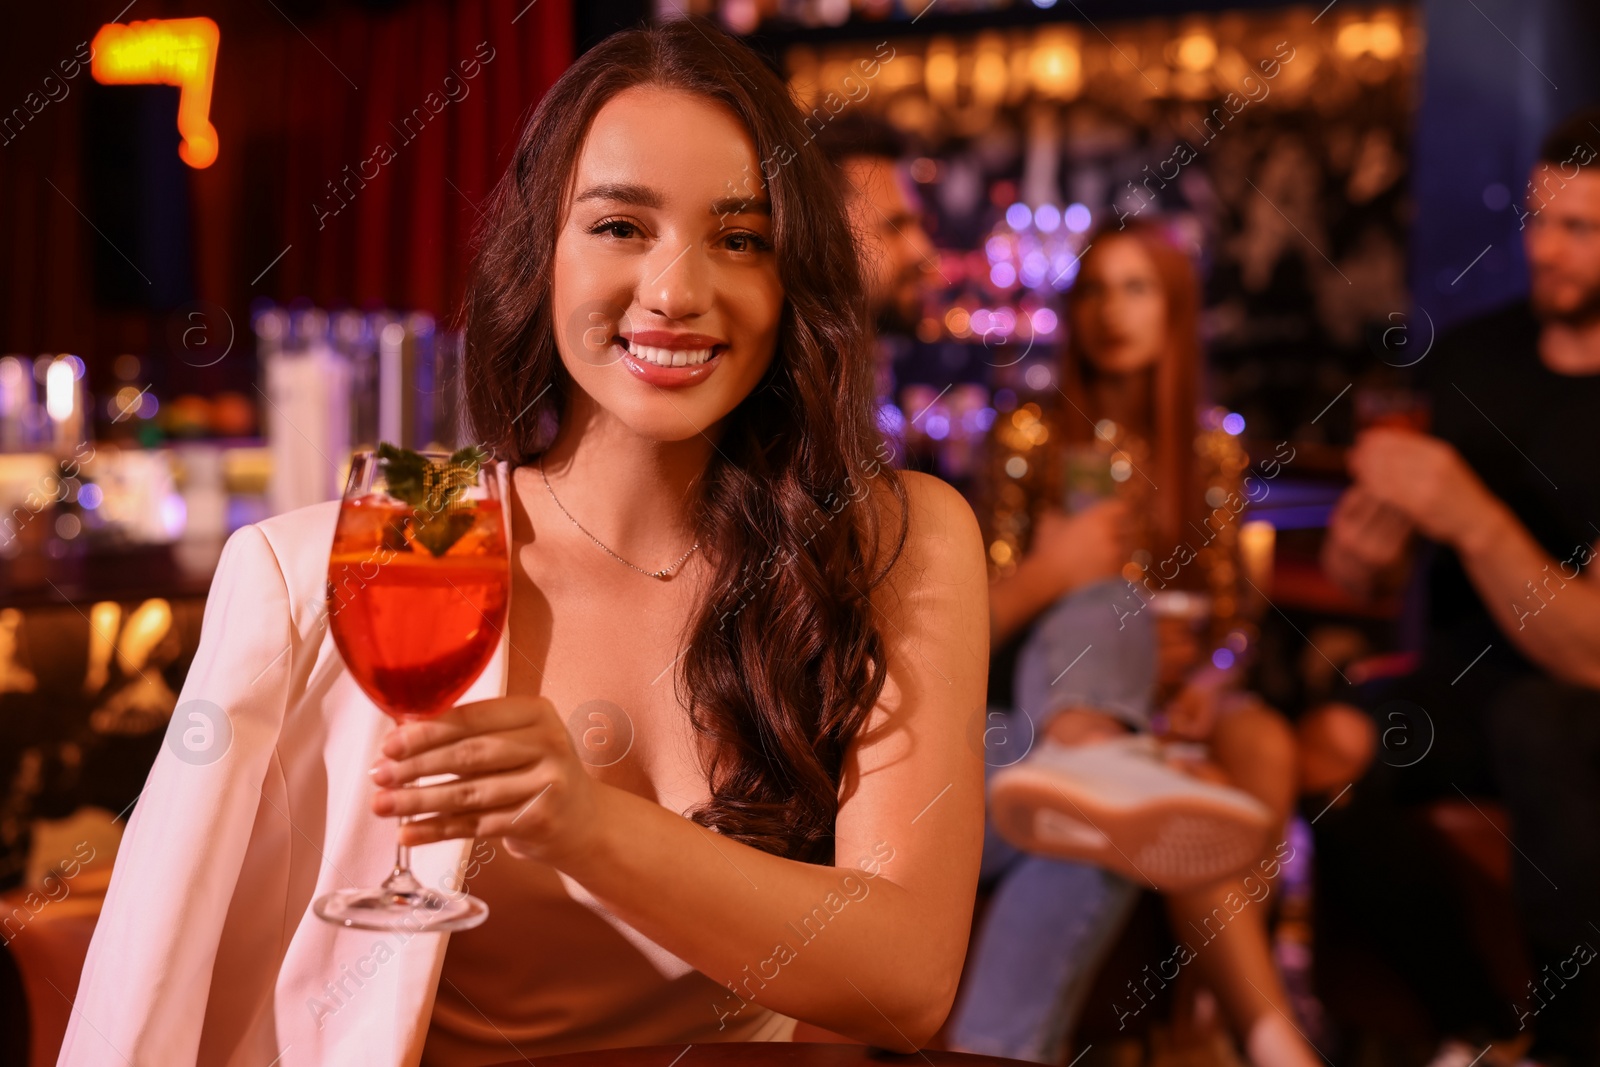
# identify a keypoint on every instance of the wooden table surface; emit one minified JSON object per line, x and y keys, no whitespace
{"x":738,"y":1054}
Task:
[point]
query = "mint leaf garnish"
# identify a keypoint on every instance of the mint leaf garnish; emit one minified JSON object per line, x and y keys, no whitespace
{"x":440,"y":517}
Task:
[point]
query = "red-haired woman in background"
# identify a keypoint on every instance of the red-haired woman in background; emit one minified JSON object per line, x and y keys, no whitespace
{"x":1112,"y":536}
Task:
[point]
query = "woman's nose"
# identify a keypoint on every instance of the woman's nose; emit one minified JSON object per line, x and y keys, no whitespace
{"x":676,"y":283}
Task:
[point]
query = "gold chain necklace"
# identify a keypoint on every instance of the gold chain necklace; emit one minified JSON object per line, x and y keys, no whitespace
{"x":663,"y":574}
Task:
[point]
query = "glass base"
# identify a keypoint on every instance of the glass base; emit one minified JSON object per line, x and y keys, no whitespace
{"x":418,"y":911}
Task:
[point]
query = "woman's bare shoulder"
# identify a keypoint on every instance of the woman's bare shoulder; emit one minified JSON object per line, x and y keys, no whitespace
{"x":941,"y":529}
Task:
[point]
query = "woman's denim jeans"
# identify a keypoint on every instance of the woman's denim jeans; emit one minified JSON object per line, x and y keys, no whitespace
{"x":1051,"y":922}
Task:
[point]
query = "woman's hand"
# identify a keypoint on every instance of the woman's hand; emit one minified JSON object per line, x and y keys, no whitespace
{"x":1078,"y":549}
{"x":1083,"y":726}
{"x":1192,"y":714}
{"x":520,"y":778}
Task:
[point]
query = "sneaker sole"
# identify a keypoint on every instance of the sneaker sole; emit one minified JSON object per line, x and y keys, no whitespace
{"x":1172,"y":843}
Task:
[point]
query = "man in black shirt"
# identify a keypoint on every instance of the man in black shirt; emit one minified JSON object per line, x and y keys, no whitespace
{"x":1506,"y":494}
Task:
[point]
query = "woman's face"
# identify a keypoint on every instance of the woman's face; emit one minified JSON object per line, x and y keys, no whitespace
{"x":1120,"y":309}
{"x":666,"y":295}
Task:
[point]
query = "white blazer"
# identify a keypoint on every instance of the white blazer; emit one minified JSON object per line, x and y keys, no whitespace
{"x":207,"y":951}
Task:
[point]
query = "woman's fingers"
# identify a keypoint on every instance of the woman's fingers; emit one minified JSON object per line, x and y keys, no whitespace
{"x":464,"y":824}
{"x":464,"y":795}
{"x":466,"y":720}
{"x":470,"y":756}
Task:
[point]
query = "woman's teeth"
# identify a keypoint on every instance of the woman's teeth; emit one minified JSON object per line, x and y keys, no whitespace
{"x":669,"y":357}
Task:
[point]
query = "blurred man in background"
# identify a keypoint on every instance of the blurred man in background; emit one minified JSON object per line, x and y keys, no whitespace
{"x":1504,"y":498}
{"x":885,"y":214}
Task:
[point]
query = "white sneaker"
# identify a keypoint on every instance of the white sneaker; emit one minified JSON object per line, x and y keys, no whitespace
{"x":1117,"y":804}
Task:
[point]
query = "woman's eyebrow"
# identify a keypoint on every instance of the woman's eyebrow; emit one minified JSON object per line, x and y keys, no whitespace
{"x":623,"y":192}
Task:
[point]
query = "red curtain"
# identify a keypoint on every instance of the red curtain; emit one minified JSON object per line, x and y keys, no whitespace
{"x":382,"y":181}
{"x":355,"y":146}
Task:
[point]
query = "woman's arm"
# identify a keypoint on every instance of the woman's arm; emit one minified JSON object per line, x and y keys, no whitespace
{"x":1016,"y":599}
{"x":871,"y":947}
{"x":1068,"y":551}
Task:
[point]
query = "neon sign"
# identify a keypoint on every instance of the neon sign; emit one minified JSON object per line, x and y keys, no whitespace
{"x":181,"y":52}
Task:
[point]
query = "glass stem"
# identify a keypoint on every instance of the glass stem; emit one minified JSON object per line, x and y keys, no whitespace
{"x":401,"y":882}
{"x":402,"y":851}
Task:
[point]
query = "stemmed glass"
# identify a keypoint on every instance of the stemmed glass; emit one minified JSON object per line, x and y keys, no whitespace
{"x":418,"y":585}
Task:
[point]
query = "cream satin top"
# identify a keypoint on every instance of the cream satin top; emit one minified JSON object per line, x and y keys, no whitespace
{"x":553,"y":971}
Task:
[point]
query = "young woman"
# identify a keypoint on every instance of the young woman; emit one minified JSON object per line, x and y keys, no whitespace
{"x":793,"y":832}
{"x":1102,"y":657}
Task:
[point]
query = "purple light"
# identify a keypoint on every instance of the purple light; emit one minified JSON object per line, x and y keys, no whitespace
{"x":1044,"y":321}
{"x":938,"y":427}
{"x":1078,"y":218}
{"x":1047,"y":218}
{"x":1018,"y":216}
{"x":891,"y":420}
{"x":1222,"y":659}
{"x":1233,"y":423}
{"x":1003,"y":275}
{"x":1066,"y":268}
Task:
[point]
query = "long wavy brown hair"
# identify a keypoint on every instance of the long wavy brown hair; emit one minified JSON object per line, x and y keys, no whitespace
{"x":784,"y":660}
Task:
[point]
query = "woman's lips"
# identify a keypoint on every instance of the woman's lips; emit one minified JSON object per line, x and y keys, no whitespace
{"x":665,"y":377}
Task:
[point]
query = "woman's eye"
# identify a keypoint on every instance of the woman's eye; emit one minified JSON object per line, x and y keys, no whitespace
{"x":615,"y":228}
{"x":746,"y":242}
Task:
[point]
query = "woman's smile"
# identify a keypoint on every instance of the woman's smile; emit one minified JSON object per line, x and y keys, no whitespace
{"x":670,"y":360}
